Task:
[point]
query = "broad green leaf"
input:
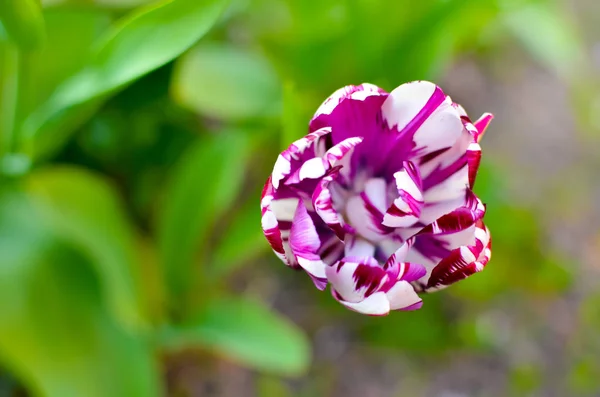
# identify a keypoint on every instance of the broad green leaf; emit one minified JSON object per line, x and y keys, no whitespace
{"x":24,"y":22}
{"x":56,"y":334}
{"x":203,"y":186}
{"x":247,"y":332}
{"x":227,"y":82}
{"x":84,"y":209}
{"x":549,"y":35}
{"x":71,"y":34}
{"x":140,"y":43}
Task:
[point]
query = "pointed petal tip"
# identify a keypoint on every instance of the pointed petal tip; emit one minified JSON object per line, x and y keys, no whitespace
{"x":482,"y":124}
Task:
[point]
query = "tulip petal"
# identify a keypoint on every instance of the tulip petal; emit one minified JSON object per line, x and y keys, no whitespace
{"x":462,"y":261}
{"x":402,"y":295}
{"x":473,"y":160}
{"x":358,"y":247}
{"x":276,"y":220}
{"x":305,"y":242}
{"x":355,"y":278}
{"x":458,"y":219}
{"x":377,"y":304}
{"x":323,"y":203}
{"x":354,"y":92}
{"x":365,"y":211}
{"x":416,"y":306}
{"x":406,"y":209}
{"x":400,"y":255}
{"x":482,"y":125}
{"x":317,"y":167}
{"x":422,"y":114}
{"x":296,"y":155}
{"x":411,"y":271}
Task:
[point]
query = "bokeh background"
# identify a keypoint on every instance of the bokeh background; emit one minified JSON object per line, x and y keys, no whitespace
{"x":136,"y":135}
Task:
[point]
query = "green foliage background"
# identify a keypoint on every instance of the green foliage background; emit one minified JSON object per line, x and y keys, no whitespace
{"x":135,"y":136}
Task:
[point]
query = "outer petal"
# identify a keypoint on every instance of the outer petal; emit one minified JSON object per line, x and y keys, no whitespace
{"x":355,"y":111}
{"x":362,"y":285}
{"x":270,"y":209}
{"x":429,"y":249}
{"x":317,"y":167}
{"x":357,"y":284}
{"x":463,"y":261}
{"x":351,"y":92}
{"x":377,"y":304}
{"x":296,"y":155}
{"x":355,"y":279}
{"x":459,"y":219}
{"x":402,"y":296}
{"x":423,"y":115}
{"x":305,"y":243}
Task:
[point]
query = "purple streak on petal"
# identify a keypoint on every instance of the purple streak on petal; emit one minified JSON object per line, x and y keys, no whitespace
{"x":436,"y":99}
{"x":270,"y":224}
{"x":462,"y":261}
{"x":459,"y":264}
{"x":304,"y":238}
{"x":439,"y":175}
{"x":296,"y":155}
{"x":368,"y":276}
{"x":459,"y":219}
{"x":314,"y":168}
{"x":432,"y":155}
{"x":358,"y":118}
{"x":406,"y":209}
{"x":332,"y":250}
{"x":431,"y":247}
{"x":413,"y":138}
{"x":473,"y":160}
{"x":412,"y":271}
{"x":415,"y":306}
{"x":320,"y":283}
{"x":324,"y":206}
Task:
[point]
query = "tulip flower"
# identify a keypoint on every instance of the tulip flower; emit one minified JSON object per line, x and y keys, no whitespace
{"x":377,"y":200}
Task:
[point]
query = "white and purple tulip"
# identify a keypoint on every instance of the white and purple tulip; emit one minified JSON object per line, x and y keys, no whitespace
{"x":377,"y":199}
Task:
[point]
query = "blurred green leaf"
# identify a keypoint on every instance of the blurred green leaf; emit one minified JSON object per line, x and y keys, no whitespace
{"x":247,"y":332}
{"x":118,"y":4}
{"x":269,"y":386}
{"x":242,"y":240}
{"x":426,"y":331}
{"x":294,"y":122}
{"x":84,"y":210}
{"x":24,"y":22}
{"x":227,"y":82}
{"x":70,"y":37}
{"x":140,"y":43}
{"x":547,"y":33}
{"x":55,"y":332}
{"x":584,"y":376}
{"x":525,"y":379}
{"x":204,"y":184}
